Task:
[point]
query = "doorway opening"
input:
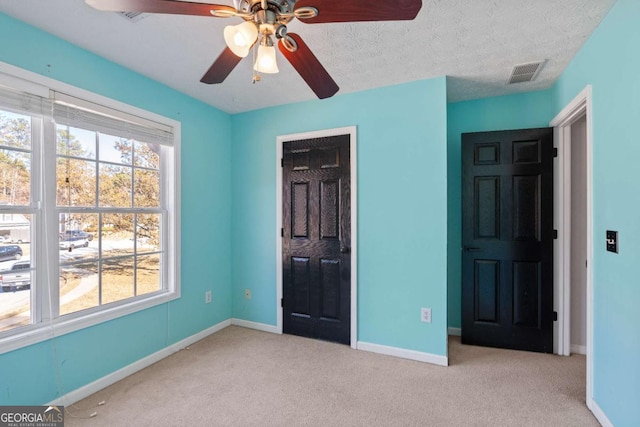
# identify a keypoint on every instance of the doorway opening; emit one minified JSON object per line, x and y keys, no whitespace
{"x":573,"y":218}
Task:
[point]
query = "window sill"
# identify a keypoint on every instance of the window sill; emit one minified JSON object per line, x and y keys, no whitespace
{"x":33,"y":334}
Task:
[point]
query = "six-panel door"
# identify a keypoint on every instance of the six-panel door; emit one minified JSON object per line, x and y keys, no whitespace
{"x":316,"y":238}
{"x":507,"y":239}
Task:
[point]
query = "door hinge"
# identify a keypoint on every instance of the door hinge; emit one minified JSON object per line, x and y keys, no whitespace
{"x":281,"y":302}
{"x":555,"y":234}
{"x":282,"y":232}
{"x":555,"y":316}
{"x":282,"y":162}
{"x":555,"y":152}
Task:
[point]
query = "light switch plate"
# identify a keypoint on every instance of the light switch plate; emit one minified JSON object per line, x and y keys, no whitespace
{"x":612,"y":241}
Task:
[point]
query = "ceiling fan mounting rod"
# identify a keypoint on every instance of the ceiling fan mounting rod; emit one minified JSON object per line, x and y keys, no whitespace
{"x":265,"y":16}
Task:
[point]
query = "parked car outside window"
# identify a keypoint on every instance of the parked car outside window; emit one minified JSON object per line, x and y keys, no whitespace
{"x":10,"y":252}
{"x":16,"y":278}
{"x":74,"y":239}
{"x":76,"y":235}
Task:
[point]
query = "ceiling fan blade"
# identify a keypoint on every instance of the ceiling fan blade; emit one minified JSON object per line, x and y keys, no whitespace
{"x":159,"y":6}
{"x":360,"y":10}
{"x":309,"y":68}
{"x":221,"y":68}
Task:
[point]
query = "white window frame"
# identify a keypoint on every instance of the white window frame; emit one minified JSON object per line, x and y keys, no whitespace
{"x":44,"y":301}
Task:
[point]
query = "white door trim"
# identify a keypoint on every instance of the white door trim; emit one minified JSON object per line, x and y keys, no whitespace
{"x":351,"y":131}
{"x":579,"y":106}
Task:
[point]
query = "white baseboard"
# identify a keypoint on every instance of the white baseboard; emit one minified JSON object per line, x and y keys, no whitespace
{"x":255,"y":325}
{"x":97,"y":385}
{"x":456,"y":332}
{"x":599,"y":414}
{"x":404,"y":353}
{"x":578,"y":349}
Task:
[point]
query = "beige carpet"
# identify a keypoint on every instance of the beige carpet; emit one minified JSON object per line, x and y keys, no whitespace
{"x":241,"y":377}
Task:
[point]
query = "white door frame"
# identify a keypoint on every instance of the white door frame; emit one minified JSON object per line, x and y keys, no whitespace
{"x":581,"y":105}
{"x":280,"y":140}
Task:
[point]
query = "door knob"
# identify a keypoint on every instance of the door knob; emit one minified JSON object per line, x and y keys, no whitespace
{"x":344,"y":249}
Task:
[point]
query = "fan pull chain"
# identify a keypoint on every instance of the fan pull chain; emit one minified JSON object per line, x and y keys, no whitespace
{"x":256,"y":75}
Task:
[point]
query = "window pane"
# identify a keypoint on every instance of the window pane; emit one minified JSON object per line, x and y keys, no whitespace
{"x":114,"y":149}
{"x":75,"y":142}
{"x":15,"y":177}
{"x":148,"y":233}
{"x":78,"y":287}
{"x":15,"y":308}
{"x":146,"y":188}
{"x":117,"y":279}
{"x":147,"y":274}
{"x":147,"y":155}
{"x":15,"y":228}
{"x":16,"y":271}
{"x":76,"y":182}
{"x":76,"y":237}
{"x":117,"y":235}
{"x":15,"y":130}
{"x":115,"y":186}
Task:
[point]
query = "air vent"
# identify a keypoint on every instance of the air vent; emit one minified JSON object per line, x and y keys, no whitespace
{"x":525,"y":72}
{"x":132,"y":16}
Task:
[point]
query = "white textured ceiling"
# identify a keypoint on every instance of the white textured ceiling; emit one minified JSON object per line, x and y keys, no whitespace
{"x":475,"y":43}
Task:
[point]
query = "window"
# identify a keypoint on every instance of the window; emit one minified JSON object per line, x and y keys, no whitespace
{"x":88,"y":210}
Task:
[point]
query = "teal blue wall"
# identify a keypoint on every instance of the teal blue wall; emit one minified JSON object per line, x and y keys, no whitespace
{"x":38,"y":373}
{"x":401,"y":132}
{"x":527,"y":110}
{"x":610,"y":61}
{"x":401,"y":208}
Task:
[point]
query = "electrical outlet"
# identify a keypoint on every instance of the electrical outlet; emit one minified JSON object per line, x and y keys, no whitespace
{"x":425,"y":315}
{"x":207,"y":297}
{"x":247,"y":293}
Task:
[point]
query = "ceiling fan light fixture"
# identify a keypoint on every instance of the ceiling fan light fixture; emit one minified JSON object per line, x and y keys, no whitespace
{"x":267,"y":19}
{"x":239,"y":38}
{"x":266,"y":60}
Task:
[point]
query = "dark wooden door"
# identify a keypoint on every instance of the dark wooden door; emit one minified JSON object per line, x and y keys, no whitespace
{"x":507,"y":238}
{"x":317,"y":238}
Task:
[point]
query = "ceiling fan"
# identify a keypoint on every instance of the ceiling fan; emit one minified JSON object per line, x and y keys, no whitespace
{"x":265,"y":19}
